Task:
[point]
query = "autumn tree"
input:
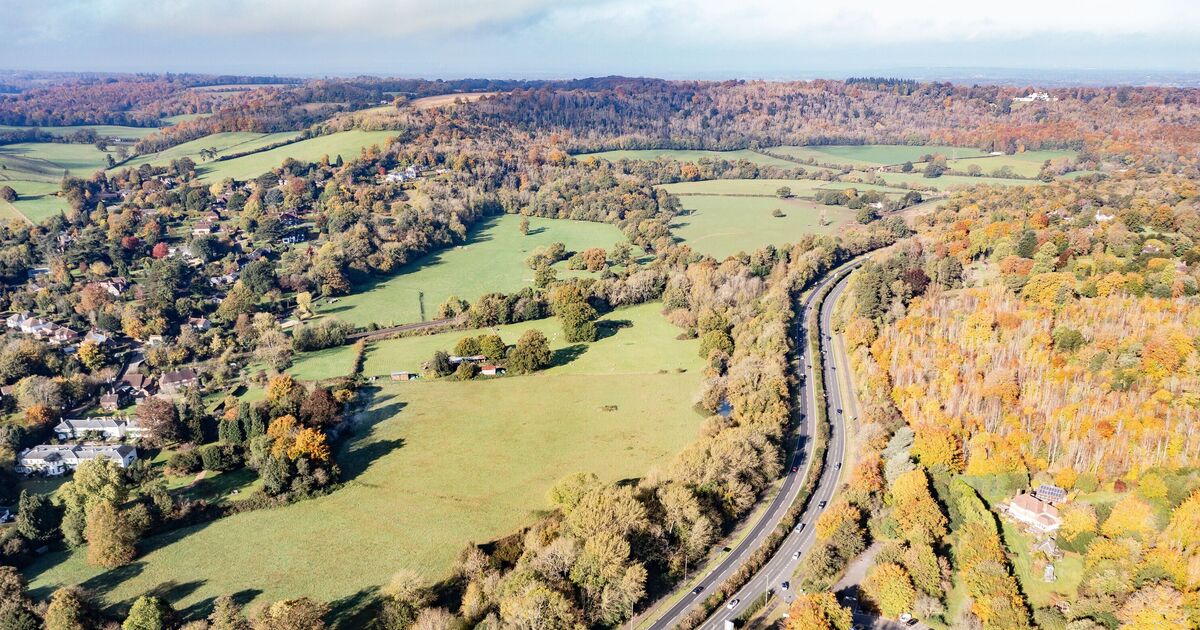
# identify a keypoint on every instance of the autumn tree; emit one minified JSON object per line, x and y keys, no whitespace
{"x":110,"y":536}
{"x":889,"y":589}
{"x":818,"y":611}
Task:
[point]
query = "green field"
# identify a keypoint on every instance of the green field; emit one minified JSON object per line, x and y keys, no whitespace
{"x":492,"y":260}
{"x":223,"y":143}
{"x":768,"y":187}
{"x":871,"y":155}
{"x":951,"y":182}
{"x":407,"y":353}
{"x":46,"y":161}
{"x":688,"y":155}
{"x":178,"y":118}
{"x":437,"y":464}
{"x":35,"y":201}
{"x":721,"y":226}
{"x":1027,"y":164}
{"x":344,"y":143}
{"x":109,"y":131}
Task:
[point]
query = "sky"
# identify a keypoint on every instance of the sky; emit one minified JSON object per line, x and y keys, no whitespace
{"x":709,"y":39}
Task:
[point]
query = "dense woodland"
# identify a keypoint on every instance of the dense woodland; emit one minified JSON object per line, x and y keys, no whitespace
{"x":1043,"y":332}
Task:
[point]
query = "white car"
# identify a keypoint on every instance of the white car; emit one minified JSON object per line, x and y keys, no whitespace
{"x":795,"y":555}
{"x":733,"y":604}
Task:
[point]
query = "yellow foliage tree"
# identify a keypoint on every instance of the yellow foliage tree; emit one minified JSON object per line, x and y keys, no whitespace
{"x":890,"y":589}
{"x":818,"y":611}
{"x":1130,"y":516}
{"x":838,"y":512}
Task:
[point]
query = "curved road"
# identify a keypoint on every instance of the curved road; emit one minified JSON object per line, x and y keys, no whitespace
{"x":781,"y":566}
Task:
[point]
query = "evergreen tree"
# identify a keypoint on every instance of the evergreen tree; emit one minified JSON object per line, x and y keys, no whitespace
{"x":37,"y":518}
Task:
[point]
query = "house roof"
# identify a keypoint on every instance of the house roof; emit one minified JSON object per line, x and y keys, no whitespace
{"x":1035,"y":506}
{"x":178,"y":376}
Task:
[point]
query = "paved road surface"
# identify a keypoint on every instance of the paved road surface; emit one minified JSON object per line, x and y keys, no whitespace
{"x":781,"y":566}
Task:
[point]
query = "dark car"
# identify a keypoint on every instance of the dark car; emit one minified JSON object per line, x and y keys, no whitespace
{"x":822,"y":504}
{"x":698,"y":589}
{"x":795,"y":468}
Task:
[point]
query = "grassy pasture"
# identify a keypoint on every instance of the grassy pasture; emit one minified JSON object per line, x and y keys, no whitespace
{"x":689,"y":155}
{"x":345,"y":143}
{"x":224,"y":143}
{"x":35,"y":201}
{"x":721,"y":226}
{"x":435,"y":464}
{"x":46,"y":161}
{"x":120,"y":132}
{"x":178,"y":118}
{"x":871,"y":155}
{"x":951,"y":182}
{"x":767,"y":187}
{"x":492,"y":260}
{"x":639,"y":349}
{"x":1026,"y":164}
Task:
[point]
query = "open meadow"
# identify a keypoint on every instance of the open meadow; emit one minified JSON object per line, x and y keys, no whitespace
{"x":35,"y":201}
{"x":223,"y":143}
{"x":434,"y":465}
{"x":119,"y":132}
{"x":721,"y":226}
{"x":689,"y":155}
{"x":871,"y":155}
{"x":47,"y":161}
{"x":344,"y":143}
{"x":493,"y":259}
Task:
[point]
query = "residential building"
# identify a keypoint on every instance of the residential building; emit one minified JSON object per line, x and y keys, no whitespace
{"x":116,"y":399}
{"x":56,"y":459}
{"x":114,"y":428}
{"x":43,"y":329}
{"x":176,"y":381}
{"x":1034,"y":513}
{"x":491,"y":370}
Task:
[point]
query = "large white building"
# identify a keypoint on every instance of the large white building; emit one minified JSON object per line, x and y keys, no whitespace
{"x":41,"y":328}
{"x":110,"y":428}
{"x":56,"y":459}
{"x":1035,"y":513}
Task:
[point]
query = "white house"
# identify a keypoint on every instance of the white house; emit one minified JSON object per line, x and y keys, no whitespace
{"x":1034,"y":513}
{"x":112,"y":428}
{"x":51,"y":459}
{"x":43,"y":329}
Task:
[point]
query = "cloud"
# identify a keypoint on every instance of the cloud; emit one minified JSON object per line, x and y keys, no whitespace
{"x":671,"y":21}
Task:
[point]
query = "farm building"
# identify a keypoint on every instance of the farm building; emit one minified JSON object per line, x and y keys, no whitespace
{"x":405,"y":376}
{"x":491,"y":370}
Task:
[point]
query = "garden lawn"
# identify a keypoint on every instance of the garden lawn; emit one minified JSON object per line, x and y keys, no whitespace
{"x":689,"y":155}
{"x":493,"y":259}
{"x":723,"y":226}
{"x":344,"y":143}
{"x":1068,"y":570}
{"x":436,"y":464}
{"x":224,"y":144}
{"x":871,"y":155}
{"x":768,"y":187}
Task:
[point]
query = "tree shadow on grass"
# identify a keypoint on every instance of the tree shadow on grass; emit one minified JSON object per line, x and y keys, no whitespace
{"x":535,"y":230}
{"x":203,"y":608}
{"x":563,"y":356}
{"x":360,"y":459}
{"x":354,"y":611}
{"x":606,"y":328}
